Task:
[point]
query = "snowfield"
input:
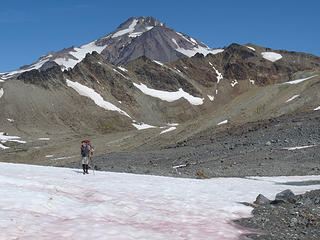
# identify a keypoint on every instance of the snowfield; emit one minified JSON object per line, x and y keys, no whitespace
{"x":46,"y":203}
{"x":96,"y":97}
{"x":271,"y":56}
{"x":79,"y":54}
{"x":169,"y":96}
{"x":297,"y":81}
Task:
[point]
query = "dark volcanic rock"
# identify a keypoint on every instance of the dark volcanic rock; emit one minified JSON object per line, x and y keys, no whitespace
{"x":286,"y":220}
{"x":52,"y":75}
{"x":285,"y":196}
{"x":261,"y":200}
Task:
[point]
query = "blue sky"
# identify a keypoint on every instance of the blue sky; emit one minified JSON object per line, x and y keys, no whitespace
{"x":29,"y":29}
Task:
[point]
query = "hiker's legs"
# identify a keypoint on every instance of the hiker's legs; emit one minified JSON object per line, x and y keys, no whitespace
{"x":87,"y":167}
{"x":84,"y":168}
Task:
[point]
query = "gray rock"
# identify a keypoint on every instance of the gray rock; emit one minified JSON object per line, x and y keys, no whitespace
{"x":285,"y":196}
{"x":261,"y":200}
{"x":268,"y":143}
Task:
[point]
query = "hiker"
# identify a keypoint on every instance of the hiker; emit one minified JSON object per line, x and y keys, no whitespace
{"x":85,"y":156}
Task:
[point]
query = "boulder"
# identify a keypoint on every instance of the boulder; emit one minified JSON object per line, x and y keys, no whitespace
{"x":261,"y":200}
{"x":285,"y":196}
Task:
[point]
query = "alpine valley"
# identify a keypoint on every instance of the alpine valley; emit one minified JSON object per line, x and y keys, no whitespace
{"x":148,"y":89}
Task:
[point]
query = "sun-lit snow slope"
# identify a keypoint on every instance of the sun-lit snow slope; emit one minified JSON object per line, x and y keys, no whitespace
{"x":59,"y":203}
{"x":96,"y":97}
{"x":169,"y":96}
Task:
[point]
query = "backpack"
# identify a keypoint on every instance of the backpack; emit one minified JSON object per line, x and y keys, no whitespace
{"x":91,"y":148}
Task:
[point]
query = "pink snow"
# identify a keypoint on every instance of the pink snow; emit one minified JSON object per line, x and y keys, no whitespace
{"x":46,"y":203}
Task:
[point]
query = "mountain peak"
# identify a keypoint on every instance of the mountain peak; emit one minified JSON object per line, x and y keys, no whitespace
{"x":147,"y":21}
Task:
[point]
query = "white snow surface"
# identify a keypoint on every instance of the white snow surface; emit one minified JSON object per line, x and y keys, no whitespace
{"x":96,"y":97}
{"x":130,"y":29}
{"x":47,"y":203}
{"x":299,"y":80}
{"x":251,"y":81}
{"x":251,"y":48}
{"x":234,"y":82}
{"x":157,"y":62}
{"x":169,"y":96}
{"x":5,"y":138}
{"x":123,"y":69}
{"x":298,"y":148}
{"x":223,"y":122}
{"x":44,"y":139}
{"x":1,"y":92}
{"x":199,"y":49}
{"x":271,"y":56}
{"x":79,"y":54}
{"x":219,"y":74}
{"x":211,"y":97}
{"x":142,"y":126}
{"x":316,"y":109}
{"x":292,"y":98}
{"x":115,"y":70}
{"x":36,"y":65}
{"x":168,"y":130}
{"x":10,"y":120}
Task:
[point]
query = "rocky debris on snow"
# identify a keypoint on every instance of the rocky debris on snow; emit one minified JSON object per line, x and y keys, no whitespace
{"x":289,"y":216}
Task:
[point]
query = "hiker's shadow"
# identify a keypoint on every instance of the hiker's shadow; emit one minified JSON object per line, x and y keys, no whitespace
{"x":77,"y":171}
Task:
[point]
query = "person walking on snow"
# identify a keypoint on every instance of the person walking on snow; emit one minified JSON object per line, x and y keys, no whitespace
{"x":85,"y":156}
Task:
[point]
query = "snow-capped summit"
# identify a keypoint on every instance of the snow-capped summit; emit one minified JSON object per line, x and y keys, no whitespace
{"x":136,"y":37}
{"x":149,"y":37}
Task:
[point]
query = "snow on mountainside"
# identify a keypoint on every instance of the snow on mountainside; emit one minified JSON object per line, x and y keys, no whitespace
{"x":61,"y":203}
{"x":120,"y":46}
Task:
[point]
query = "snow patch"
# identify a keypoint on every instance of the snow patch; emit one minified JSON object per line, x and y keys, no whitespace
{"x":5,"y":138}
{"x":1,"y":92}
{"x":271,"y":56}
{"x":79,"y":54}
{"x":10,"y":120}
{"x":234,"y":82}
{"x":123,"y":69}
{"x":298,"y":148}
{"x":159,"y":63}
{"x":168,"y":130}
{"x":223,"y":122}
{"x":36,"y":65}
{"x":173,"y":124}
{"x":175,"y":42}
{"x":49,"y":156}
{"x":169,"y":96}
{"x":96,"y":97}
{"x":44,"y":139}
{"x":119,"y":73}
{"x":211,"y":97}
{"x":219,"y":74}
{"x":199,"y":49}
{"x":130,"y":29}
{"x":292,"y":98}
{"x":251,"y":81}
{"x":251,"y":48}
{"x":216,"y":51}
{"x":142,"y":126}
{"x":316,"y":109}
{"x":299,"y":80}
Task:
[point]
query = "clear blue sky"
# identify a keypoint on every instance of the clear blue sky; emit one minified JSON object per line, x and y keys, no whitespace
{"x":29,"y":29}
